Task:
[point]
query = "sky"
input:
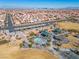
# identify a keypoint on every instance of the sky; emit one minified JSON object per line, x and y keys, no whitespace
{"x":38,"y":3}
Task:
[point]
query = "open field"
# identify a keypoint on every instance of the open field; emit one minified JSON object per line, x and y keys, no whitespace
{"x":69,"y":26}
{"x":33,"y":54}
{"x":7,"y":52}
{"x":71,"y":41}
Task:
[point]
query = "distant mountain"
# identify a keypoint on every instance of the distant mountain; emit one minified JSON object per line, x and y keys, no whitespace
{"x":67,"y":8}
{"x":71,"y":8}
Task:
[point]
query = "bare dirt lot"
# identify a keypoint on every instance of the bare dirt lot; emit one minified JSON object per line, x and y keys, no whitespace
{"x":7,"y":52}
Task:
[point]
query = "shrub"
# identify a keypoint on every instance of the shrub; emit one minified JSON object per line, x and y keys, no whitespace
{"x":21,"y":45}
{"x":32,"y":34}
{"x":3,"y":41}
{"x":30,"y":45}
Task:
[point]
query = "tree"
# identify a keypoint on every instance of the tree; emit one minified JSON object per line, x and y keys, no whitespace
{"x":21,"y":45}
{"x":30,"y":45}
{"x":32,"y":34}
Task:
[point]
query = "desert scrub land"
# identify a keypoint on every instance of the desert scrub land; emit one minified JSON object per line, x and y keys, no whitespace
{"x":14,"y":52}
{"x":69,"y":26}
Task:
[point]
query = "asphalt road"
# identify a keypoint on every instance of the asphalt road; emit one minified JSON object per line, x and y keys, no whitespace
{"x":69,"y":55}
{"x":12,"y":28}
{"x":9,"y":23}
